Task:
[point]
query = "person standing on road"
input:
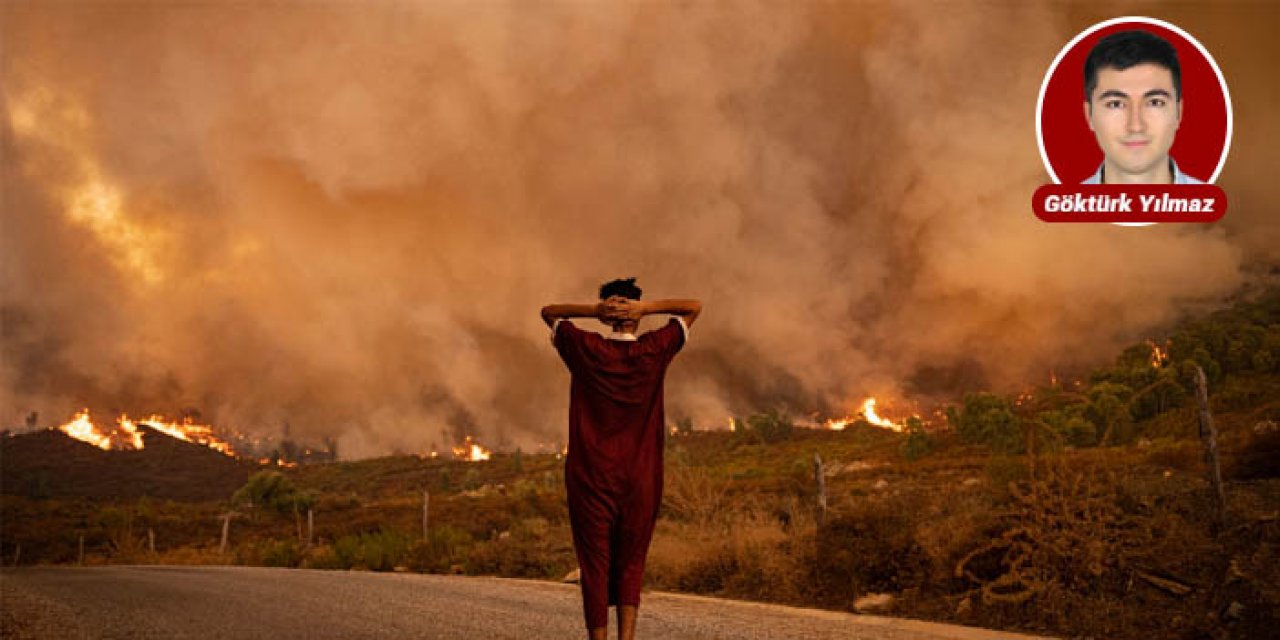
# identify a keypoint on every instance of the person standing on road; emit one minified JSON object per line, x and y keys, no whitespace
{"x":613,"y":471}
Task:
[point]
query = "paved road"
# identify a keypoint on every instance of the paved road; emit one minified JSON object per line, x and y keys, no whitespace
{"x":173,"y":603}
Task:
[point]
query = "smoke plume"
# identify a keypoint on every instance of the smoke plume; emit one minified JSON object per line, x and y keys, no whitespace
{"x":344,"y":217}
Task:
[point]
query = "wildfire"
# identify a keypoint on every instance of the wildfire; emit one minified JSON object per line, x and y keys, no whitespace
{"x":82,"y":429}
{"x":868,"y":411}
{"x":285,"y":464}
{"x":1159,"y":356}
{"x":190,"y":431}
{"x":471,"y":451}
{"x":839,"y":425}
{"x":127,"y":436}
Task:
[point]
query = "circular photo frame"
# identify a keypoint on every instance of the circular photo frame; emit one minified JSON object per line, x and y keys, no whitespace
{"x":1070,"y":149}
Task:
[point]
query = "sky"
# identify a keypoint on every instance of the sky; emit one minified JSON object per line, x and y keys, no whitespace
{"x":344,"y":217}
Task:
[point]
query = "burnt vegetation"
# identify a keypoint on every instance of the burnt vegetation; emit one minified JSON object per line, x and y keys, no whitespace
{"x":1078,"y":509}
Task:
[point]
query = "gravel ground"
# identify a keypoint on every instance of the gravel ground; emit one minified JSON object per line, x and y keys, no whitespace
{"x":252,"y":602}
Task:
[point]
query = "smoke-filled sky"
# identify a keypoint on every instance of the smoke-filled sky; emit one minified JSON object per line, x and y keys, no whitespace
{"x":345,"y":217}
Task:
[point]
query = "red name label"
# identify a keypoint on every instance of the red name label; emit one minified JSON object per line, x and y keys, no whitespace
{"x":1129,"y":203}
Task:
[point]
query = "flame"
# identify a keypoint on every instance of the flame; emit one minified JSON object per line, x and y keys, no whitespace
{"x":127,"y":426}
{"x":127,"y":436}
{"x":1159,"y":356}
{"x":868,"y":413}
{"x":82,"y":429}
{"x":189,"y":431}
{"x":279,"y":463}
{"x":839,"y":425}
{"x":471,"y":451}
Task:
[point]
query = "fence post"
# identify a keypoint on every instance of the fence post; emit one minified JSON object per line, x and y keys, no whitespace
{"x":822,"y":488}
{"x":1209,"y":434}
{"x":426,"y":503}
{"x":226,"y":529}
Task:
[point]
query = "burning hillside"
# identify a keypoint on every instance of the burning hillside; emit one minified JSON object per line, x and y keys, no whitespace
{"x":51,"y":463}
{"x":125,"y":434}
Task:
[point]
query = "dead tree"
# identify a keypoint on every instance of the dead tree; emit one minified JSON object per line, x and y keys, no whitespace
{"x":1209,"y":434}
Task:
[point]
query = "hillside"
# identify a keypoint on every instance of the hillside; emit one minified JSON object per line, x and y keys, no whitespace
{"x":50,"y":464}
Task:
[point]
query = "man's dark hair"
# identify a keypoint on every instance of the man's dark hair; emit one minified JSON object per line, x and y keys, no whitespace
{"x":1125,"y":49}
{"x":621,"y":287}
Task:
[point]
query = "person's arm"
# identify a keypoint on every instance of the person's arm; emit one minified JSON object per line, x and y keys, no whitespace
{"x":687,"y":310}
{"x":553,"y":312}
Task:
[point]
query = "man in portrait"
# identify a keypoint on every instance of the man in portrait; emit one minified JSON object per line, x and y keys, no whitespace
{"x":1133,"y":104}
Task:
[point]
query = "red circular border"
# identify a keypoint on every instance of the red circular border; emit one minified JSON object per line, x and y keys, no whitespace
{"x":1070,"y":147}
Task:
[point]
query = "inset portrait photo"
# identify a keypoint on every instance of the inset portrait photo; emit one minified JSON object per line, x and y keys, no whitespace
{"x":1134,"y":100}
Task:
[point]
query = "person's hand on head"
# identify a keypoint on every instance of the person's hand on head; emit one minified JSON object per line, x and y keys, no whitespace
{"x":610,"y":309}
{"x":628,"y":309}
{"x":604,"y":311}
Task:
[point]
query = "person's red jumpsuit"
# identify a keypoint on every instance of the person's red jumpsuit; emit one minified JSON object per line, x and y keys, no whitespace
{"x":613,"y":471}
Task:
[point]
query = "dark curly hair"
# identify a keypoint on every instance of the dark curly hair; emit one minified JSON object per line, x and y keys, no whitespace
{"x":621,"y":287}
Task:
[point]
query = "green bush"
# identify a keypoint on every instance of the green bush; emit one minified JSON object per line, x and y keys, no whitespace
{"x":769,"y":427}
{"x":444,"y":547}
{"x":1070,"y":427}
{"x":380,"y":551}
{"x":988,"y":419}
{"x":272,"y":490}
{"x":918,"y":443}
{"x":282,"y":553}
{"x":384,"y":550}
{"x":324,"y":558}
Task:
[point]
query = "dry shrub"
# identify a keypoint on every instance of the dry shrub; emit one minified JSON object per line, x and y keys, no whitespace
{"x":1064,"y":547}
{"x":1258,"y":458}
{"x":1182,"y":455}
{"x":956,"y":521}
{"x":192,"y":556}
{"x":750,"y":558}
{"x":694,"y":495}
{"x":870,"y":549}
{"x":531,"y":549}
{"x":323,"y":557}
{"x":1059,"y":537}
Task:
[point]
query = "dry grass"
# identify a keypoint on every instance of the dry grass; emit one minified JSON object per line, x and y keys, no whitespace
{"x":1056,"y":545}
